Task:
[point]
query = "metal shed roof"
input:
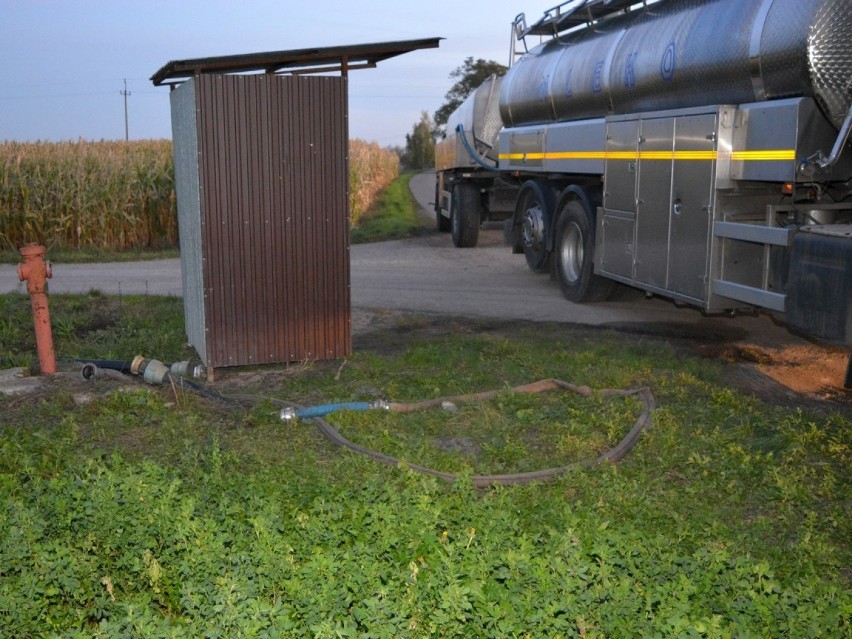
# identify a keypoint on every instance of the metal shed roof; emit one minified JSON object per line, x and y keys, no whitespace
{"x":297,"y":61}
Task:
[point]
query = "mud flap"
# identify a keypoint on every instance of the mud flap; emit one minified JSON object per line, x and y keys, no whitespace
{"x":819,"y":289}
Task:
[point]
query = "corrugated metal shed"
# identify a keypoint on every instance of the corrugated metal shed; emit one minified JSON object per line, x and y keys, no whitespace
{"x":262,"y":180}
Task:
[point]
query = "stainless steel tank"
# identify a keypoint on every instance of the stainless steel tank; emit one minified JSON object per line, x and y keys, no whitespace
{"x":479,"y":116}
{"x":683,"y":53}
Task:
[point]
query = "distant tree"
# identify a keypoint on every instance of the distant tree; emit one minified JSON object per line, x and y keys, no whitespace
{"x":420,"y":145}
{"x":468,"y":76}
{"x":397,"y":150}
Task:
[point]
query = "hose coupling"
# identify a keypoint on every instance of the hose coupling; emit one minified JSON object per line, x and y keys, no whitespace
{"x":380,"y":404}
{"x":152,"y":371}
{"x":91,"y":371}
{"x":188,"y":369}
{"x":287,"y":414}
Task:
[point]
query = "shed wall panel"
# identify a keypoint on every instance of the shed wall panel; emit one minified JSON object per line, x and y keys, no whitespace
{"x":274,"y":217}
{"x":185,"y":151}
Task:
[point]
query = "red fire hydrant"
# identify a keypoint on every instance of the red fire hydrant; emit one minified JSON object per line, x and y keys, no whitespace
{"x":36,"y":272}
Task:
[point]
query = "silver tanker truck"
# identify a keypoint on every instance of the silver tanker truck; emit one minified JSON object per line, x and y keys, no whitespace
{"x":695,"y":149}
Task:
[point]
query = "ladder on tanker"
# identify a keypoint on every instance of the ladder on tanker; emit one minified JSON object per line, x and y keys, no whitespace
{"x":569,"y":15}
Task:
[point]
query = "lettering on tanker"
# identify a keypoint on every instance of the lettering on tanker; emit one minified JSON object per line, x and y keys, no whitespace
{"x":597,"y":84}
{"x":667,"y":64}
{"x":543,"y":88}
{"x":629,"y":70}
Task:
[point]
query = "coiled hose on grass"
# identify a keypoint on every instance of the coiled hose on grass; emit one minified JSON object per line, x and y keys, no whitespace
{"x":614,"y":454}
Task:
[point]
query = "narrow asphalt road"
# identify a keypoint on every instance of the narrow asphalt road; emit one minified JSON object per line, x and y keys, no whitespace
{"x":428,"y":274}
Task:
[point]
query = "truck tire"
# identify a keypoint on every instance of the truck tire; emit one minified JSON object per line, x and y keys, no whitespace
{"x":533,"y":212}
{"x":465,"y":214}
{"x":574,"y":255}
{"x":442,"y":222}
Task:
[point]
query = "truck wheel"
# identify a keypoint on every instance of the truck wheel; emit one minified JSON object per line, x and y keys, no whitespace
{"x":574,"y":255}
{"x":465,"y":215}
{"x":442,"y":222}
{"x":533,"y":214}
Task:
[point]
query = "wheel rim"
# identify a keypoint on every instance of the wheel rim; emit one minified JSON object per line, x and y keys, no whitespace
{"x":571,"y":253}
{"x":533,"y":227}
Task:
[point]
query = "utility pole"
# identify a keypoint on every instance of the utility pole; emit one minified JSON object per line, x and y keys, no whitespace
{"x":125,"y":93}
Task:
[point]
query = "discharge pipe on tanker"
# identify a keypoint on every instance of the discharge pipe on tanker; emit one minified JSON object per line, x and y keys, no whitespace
{"x":839,"y":144}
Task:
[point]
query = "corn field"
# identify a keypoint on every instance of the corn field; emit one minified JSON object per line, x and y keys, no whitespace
{"x":73,"y":194}
{"x":120,"y":195}
{"x":371,"y":169}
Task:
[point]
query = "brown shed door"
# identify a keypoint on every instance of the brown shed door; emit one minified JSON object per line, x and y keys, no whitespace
{"x":274,"y":217}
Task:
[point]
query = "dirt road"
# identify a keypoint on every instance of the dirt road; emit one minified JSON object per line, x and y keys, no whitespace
{"x":428,"y":274}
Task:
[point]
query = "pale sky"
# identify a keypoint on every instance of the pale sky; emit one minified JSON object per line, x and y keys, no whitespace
{"x":63,"y":62}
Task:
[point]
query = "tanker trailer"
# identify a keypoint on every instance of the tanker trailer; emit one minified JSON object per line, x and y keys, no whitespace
{"x":469,"y":189}
{"x":695,"y":149}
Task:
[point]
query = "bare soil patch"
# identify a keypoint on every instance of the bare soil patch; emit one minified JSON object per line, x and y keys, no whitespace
{"x":814,"y":371}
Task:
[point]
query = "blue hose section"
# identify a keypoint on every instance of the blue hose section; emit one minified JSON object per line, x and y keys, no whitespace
{"x":325,"y":409}
{"x":471,"y":152}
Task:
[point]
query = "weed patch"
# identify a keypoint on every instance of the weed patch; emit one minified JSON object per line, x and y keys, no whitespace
{"x":147,"y":512}
{"x":393,"y":215}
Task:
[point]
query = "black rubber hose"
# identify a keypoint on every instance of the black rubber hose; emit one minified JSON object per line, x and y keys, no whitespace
{"x":203,"y":391}
{"x":111,"y":364}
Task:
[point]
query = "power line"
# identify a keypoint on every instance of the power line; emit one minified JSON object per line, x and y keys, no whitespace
{"x":125,"y":93}
{"x":50,"y":96}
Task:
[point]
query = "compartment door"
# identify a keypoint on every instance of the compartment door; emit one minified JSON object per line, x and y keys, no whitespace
{"x":692,"y":205}
{"x":656,"y":146}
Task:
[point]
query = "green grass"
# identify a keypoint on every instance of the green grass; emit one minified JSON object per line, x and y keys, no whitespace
{"x":149,"y":511}
{"x":95,"y":326}
{"x":394,"y":216}
{"x":93,"y":254}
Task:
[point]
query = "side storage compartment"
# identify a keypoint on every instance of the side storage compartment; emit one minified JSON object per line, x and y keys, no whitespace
{"x":654,"y":229}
